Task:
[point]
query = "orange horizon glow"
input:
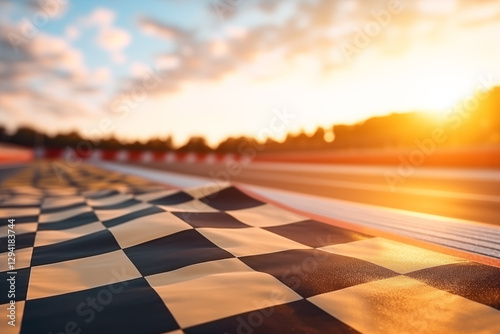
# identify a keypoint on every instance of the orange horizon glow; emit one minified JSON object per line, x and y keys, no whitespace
{"x":426,"y":57}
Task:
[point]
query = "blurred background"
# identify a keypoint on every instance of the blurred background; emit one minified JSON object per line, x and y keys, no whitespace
{"x":190,"y":86}
{"x":173,"y":70}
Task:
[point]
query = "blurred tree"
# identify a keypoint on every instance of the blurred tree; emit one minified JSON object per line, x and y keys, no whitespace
{"x":195,"y":144}
{"x":24,"y":136}
{"x":3,"y":134}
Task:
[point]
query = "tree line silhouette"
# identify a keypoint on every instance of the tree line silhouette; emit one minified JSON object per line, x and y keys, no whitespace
{"x":473,"y":122}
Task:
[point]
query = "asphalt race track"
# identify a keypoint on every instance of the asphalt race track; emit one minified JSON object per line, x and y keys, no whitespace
{"x":464,"y":194}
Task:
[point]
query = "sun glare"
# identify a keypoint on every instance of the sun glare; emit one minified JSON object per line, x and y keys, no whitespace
{"x":440,"y":92}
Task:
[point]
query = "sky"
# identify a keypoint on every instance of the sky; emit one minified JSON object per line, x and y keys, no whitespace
{"x":218,"y":68}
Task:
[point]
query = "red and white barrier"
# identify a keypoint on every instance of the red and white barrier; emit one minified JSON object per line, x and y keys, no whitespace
{"x":135,"y":156}
{"x":464,"y":158}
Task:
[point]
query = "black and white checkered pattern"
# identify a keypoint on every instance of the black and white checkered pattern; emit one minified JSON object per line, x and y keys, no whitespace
{"x":102,"y":252}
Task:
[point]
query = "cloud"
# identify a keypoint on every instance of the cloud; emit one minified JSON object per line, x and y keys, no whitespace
{"x":215,"y":57}
{"x":219,"y":48}
{"x":88,"y":90}
{"x":72,"y":33}
{"x":138,"y":69}
{"x":46,"y":76}
{"x":113,"y":39}
{"x":474,"y":15}
{"x":236,"y":32}
{"x":311,"y":33}
{"x":52,"y":8}
{"x":101,"y":75}
{"x":437,"y":7}
{"x":118,"y":57}
{"x":109,"y":38}
{"x":101,"y":17}
{"x":269,"y":6}
{"x":168,"y":62}
{"x":154,"y":28}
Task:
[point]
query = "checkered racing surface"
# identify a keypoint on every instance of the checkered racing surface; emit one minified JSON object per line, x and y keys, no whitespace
{"x":102,"y":252}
